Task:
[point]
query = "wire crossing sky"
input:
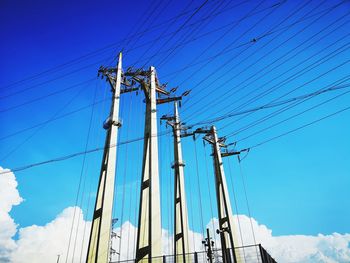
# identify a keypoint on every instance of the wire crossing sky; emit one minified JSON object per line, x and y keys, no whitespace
{"x":273,"y":76}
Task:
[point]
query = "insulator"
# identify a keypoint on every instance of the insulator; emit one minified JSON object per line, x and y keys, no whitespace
{"x":186,"y":93}
{"x":174,"y":89}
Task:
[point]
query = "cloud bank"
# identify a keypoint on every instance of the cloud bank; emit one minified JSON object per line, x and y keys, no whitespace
{"x":45,"y":243}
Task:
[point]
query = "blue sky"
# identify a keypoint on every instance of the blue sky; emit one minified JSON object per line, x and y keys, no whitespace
{"x":296,"y":184}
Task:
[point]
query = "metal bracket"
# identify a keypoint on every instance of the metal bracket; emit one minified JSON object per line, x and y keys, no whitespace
{"x":169,"y":99}
{"x":174,"y":164}
{"x":226,"y":154}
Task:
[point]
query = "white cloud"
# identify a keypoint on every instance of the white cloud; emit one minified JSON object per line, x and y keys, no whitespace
{"x":44,"y":243}
{"x":9,"y":197}
{"x":285,"y":249}
{"x":320,"y":248}
{"x":36,"y":243}
{"x":292,"y":248}
{"x":127,"y":243}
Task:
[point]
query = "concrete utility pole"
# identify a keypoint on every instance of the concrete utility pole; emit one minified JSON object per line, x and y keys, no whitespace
{"x":100,"y":234}
{"x":98,"y":249}
{"x":181,"y":246}
{"x":223,"y":199}
{"x":149,"y":235}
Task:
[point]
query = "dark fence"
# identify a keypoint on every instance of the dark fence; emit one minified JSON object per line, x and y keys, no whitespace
{"x":246,"y":254}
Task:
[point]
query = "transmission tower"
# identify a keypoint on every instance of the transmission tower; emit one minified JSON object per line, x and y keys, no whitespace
{"x":181,"y":245}
{"x":99,"y":241}
{"x":222,"y":196}
{"x":149,"y":237}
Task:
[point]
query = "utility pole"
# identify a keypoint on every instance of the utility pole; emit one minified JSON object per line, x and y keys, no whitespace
{"x":98,"y":249}
{"x":149,"y":237}
{"x":181,"y":246}
{"x":100,"y":234}
{"x":222,"y":196}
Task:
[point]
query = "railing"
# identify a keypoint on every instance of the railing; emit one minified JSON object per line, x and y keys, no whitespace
{"x":246,"y":254}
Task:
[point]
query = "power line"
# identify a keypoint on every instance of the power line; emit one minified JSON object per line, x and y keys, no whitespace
{"x":275,"y":104}
{"x":70,"y":156}
{"x":56,"y":78}
{"x":46,"y":96}
{"x":189,"y":65}
{"x":206,"y":18}
{"x":192,"y":39}
{"x":244,"y":43}
{"x":275,"y":113}
{"x":112,"y":45}
{"x":295,"y":76}
{"x":142,"y":22}
{"x":299,"y":128}
{"x":271,"y":105}
{"x":180,"y":28}
{"x":40,"y":127}
{"x":228,"y":61}
{"x":273,"y":7}
{"x":93,"y":64}
{"x":160,"y":36}
{"x":252,"y":54}
{"x":90,"y":65}
{"x":48,"y":81}
{"x":53,"y":79}
{"x":305,"y":70}
{"x":52,"y":119}
{"x":256,"y":39}
{"x":79,"y":186}
{"x":292,"y":117}
{"x":235,"y":40}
